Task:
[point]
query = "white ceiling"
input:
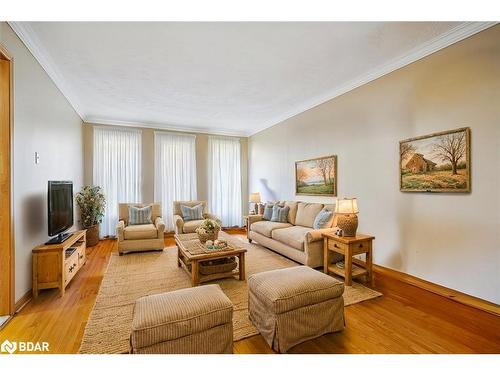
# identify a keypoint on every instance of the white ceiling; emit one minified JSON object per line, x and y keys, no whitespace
{"x":226,"y":78}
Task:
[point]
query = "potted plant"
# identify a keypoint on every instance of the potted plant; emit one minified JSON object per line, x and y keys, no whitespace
{"x":208,"y":230}
{"x":91,"y":202}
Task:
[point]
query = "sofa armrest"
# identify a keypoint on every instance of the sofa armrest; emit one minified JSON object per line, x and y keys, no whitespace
{"x":160,"y":227}
{"x":179,"y":224}
{"x":317,"y":234}
{"x":213,"y":217}
{"x":119,"y":230}
{"x":253,"y":219}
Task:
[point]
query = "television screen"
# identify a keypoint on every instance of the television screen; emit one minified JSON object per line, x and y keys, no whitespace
{"x":60,"y":206}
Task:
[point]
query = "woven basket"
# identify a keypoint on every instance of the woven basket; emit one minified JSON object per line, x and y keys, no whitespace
{"x":209,"y":236}
{"x":93,"y":235}
{"x":217,"y":266}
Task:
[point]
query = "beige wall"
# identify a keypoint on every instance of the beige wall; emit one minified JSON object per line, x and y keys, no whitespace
{"x":44,"y":122}
{"x":449,"y":239}
{"x":148,"y":163}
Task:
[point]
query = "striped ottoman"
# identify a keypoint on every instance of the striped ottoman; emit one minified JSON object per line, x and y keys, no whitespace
{"x":293,"y":305}
{"x":193,"y":320}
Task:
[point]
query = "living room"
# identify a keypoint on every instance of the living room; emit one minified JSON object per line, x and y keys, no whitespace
{"x":250,"y":187}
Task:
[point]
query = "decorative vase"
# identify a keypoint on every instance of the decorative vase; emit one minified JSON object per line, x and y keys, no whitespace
{"x":92,"y":235}
{"x":208,"y":236}
{"x":348,"y":223}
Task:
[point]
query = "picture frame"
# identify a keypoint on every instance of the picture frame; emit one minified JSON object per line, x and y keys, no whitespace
{"x":437,"y":163}
{"x":316,"y":176}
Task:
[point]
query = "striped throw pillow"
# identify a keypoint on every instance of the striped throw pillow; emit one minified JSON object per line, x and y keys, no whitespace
{"x":192,"y":213}
{"x":280,"y":214}
{"x":138,"y":216}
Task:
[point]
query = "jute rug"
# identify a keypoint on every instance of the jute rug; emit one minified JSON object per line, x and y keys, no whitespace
{"x":135,"y":275}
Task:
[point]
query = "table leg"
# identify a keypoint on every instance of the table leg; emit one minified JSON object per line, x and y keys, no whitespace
{"x":326,"y":260}
{"x":195,"y":278}
{"x":241,"y":266}
{"x":348,"y":267}
{"x":369,"y":266}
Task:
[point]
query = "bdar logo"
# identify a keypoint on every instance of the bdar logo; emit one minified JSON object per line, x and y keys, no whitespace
{"x":9,"y":347}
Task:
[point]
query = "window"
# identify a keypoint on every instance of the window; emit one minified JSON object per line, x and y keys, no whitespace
{"x":117,"y":170}
{"x":175,"y":171}
{"x":224,"y":156}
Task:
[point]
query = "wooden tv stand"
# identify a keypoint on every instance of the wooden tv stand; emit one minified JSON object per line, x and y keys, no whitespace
{"x":52,"y":268}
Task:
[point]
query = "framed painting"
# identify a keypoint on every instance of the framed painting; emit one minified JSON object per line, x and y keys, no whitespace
{"x":438,"y":162}
{"x":316,"y":176}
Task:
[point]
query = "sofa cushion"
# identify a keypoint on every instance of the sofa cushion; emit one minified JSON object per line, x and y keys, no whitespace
{"x":306,"y":213}
{"x":323,"y":219}
{"x":293,"y":211}
{"x":280,"y":214}
{"x":140,"y":232}
{"x":191,"y":225}
{"x":267,"y":227}
{"x":291,"y":288}
{"x":293,"y":236}
{"x":168,"y":316}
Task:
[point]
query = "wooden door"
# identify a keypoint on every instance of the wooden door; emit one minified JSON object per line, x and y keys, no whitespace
{"x":6,"y":243}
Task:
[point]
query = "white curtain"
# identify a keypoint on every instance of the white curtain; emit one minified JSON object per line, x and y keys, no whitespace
{"x":175,"y":171}
{"x":224,"y":156}
{"x":117,"y":170}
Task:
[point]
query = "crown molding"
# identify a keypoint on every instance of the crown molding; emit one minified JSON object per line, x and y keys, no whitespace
{"x":458,"y":33}
{"x":166,"y":127}
{"x":31,"y":41}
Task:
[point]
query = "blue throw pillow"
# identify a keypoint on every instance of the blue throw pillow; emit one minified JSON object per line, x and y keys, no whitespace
{"x":192,"y":213}
{"x":280,"y":214}
{"x":322,"y":219}
{"x":139,"y":216}
{"x":268,"y":212}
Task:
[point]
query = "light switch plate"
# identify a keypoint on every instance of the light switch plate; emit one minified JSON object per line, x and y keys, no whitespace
{"x":37,"y":158}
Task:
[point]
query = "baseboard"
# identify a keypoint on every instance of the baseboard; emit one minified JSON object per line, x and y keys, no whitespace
{"x":443,"y":291}
{"x":23,"y":301}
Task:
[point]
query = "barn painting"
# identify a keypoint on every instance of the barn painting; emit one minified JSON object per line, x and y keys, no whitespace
{"x":437,"y":162}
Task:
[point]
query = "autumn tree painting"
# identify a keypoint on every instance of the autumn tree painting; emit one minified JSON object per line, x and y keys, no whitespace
{"x":437,"y":162}
{"x":316,"y":176}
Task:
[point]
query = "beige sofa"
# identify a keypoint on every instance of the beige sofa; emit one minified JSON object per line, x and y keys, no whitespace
{"x":190,"y":226}
{"x":140,"y":237}
{"x":295,"y":239}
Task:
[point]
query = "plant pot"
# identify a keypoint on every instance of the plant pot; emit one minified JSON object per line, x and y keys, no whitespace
{"x":93,"y":235}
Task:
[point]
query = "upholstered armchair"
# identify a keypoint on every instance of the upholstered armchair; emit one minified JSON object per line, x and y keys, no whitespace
{"x":141,"y":237}
{"x":190,"y":226}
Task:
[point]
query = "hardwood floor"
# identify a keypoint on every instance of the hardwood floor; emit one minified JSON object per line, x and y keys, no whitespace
{"x":406,"y":319}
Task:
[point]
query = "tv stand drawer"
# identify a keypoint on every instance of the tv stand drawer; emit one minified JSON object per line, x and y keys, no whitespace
{"x":70,"y":267}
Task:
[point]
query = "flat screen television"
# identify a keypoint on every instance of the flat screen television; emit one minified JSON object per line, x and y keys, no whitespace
{"x":60,"y":209}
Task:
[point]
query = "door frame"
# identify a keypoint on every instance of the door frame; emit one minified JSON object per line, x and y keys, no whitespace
{"x":10,"y":267}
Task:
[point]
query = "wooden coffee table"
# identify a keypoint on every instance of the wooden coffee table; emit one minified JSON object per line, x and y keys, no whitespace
{"x":190,"y":251}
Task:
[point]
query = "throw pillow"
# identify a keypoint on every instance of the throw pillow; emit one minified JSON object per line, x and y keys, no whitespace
{"x":268,"y":212}
{"x":192,"y":213}
{"x":323,"y":219}
{"x":280,"y":214}
{"x":139,"y":216}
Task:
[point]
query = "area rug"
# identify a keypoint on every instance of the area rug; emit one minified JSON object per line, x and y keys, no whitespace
{"x":136,"y":275}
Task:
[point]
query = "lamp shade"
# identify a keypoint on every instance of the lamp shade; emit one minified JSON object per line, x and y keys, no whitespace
{"x":255,"y":198}
{"x":347,"y":206}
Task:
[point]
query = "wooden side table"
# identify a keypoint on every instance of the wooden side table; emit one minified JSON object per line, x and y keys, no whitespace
{"x":349,"y":246}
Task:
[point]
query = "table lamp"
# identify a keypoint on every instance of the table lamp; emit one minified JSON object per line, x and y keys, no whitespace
{"x":255,"y":199}
{"x":347,"y":220}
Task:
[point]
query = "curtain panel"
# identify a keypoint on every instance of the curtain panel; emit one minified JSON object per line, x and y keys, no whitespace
{"x":117,"y":170}
{"x":224,"y":156}
{"x":175,"y":171}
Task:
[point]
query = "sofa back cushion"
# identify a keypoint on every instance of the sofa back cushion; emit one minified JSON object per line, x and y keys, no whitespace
{"x":306,"y":213}
{"x":292,"y":213}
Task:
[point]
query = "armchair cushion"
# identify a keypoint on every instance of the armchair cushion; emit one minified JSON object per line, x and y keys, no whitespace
{"x":192,"y":213}
{"x":139,"y":215}
{"x":140,"y":232}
